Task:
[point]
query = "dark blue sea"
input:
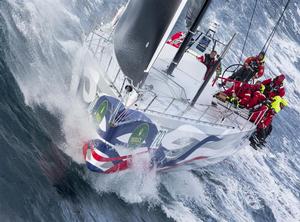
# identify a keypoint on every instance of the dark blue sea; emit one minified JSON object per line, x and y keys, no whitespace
{"x":42,"y":125}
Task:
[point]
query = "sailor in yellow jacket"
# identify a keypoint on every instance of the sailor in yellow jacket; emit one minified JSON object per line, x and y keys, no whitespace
{"x":278,"y":103}
{"x":264,"y":127}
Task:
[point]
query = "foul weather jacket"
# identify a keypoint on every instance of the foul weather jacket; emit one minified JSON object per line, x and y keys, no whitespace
{"x":273,"y":88}
{"x":256,"y":65}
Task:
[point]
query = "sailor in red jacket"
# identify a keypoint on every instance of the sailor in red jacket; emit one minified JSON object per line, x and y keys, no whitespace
{"x":239,"y":93}
{"x":263,"y":118}
{"x":257,"y":95}
{"x":266,"y":120}
{"x":270,"y":88}
{"x":274,"y":87}
{"x":256,"y":63}
{"x":264,"y":127}
{"x":176,"y":39}
{"x":233,"y":89}
{"x":266,"y":112}
{"x":248,"y":95}
{"x":259,"y":114}
{"x":253,"y":68}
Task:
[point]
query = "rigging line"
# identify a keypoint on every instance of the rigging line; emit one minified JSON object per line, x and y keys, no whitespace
{"x":127,"y":115}
{"x":121,"y":116}
{"x":114,"y":111}
{"x":250,"y":24}
{"x":124,"y":114}
{"x":269,"y":40}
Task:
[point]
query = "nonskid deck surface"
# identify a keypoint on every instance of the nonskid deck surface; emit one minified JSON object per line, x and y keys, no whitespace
{"x":169,"y":95}
{"x":188,"y":75}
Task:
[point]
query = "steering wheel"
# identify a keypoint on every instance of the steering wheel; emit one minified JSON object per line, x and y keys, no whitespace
{"x":228,"y":72}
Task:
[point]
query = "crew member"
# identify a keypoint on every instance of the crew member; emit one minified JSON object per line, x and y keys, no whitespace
{"x":264,"y":117}
{"x":208,"y":60}
{"x":274,"y":87}
{"x":253,"y":68}
{"x":257,"y":95}
{"x":245,"y":95}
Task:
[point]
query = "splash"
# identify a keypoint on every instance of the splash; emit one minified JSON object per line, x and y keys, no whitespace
{"x":137,"y":185}
{"x":47,"y":42}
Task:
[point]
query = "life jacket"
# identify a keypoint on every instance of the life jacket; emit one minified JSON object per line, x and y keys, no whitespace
{"x":278,"y":103}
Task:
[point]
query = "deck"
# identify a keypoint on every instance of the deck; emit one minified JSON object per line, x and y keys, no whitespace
{"x":165,"y":97}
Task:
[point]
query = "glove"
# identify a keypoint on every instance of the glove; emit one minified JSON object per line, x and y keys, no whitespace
{"x":235,"y":101}
{"x":232,"y":99}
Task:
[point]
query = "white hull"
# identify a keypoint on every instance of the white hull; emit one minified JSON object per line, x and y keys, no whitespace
{"x":218,"y":131}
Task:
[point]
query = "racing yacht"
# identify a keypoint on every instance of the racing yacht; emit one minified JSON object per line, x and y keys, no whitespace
{"x":151,"y":98}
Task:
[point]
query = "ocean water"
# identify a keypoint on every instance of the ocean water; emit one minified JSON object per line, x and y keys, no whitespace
{"x":42,"y":125}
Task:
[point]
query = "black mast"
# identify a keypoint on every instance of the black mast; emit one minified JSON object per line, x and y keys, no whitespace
{"x":209,"y":74}
{"x":188,"y":38}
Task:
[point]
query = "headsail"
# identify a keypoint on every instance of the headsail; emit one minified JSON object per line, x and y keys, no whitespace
{"x":141,"y":33}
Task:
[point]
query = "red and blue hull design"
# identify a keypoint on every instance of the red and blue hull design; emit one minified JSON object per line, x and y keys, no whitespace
{"x":107,"y":161}
{"x":125,"y":134}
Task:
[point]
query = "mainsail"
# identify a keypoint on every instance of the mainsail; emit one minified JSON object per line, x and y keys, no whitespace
{"x":141,"y":33}
{"x":194,"y":8}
